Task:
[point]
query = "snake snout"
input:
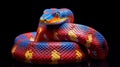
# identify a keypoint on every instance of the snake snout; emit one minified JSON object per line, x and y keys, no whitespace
{"x":43,"y":21}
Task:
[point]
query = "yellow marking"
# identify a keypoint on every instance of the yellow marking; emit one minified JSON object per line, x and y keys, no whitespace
{"x":55,"y":57}
{"x":31,"y":39}
{"x":63,"y":19}
{"x":55,"y":36}
{"x":89,"y":41}
{"x":13,"y":50}
{"x":39,"y":30}
{"x":28,"y":55}
{"x":78,"y":55}
{"x":72,"y":35}
{"x":56,"y":20}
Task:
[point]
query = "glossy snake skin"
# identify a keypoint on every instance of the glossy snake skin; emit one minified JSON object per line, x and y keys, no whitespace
{"x":58,"y":41}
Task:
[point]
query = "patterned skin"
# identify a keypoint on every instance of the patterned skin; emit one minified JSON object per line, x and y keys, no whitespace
{"x":58,"y":41}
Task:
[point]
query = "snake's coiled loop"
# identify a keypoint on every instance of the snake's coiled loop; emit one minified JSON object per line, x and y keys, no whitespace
{"x":58,"y":41}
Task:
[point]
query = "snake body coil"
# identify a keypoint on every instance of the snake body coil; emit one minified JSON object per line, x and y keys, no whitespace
{"x":58,"y":40}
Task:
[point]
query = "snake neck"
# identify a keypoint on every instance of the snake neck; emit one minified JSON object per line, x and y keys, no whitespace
{"x":44,"y":29}
{"x":51,"y":20}
{"x":40,"y":32}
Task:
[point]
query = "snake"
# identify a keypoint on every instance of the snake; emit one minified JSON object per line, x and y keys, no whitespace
{"x":58,"y":40}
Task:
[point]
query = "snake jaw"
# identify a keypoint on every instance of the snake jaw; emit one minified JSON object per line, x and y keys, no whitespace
{"x":53,"y":21}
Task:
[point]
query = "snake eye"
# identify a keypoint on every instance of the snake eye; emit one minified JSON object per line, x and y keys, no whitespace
{"x":57,"y":14}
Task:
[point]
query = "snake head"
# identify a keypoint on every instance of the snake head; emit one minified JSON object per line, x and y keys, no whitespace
{"x":56,"y":16}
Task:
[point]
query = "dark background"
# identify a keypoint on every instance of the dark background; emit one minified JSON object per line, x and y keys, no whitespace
{"x":23,"y":16}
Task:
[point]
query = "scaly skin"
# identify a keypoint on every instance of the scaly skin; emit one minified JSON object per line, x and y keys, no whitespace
{"x":58,"y":41}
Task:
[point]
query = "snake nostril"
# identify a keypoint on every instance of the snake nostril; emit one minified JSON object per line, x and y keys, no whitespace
{"x":45,"y":20}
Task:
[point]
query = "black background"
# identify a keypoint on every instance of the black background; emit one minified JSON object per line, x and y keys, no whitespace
{"x":23,"y":16}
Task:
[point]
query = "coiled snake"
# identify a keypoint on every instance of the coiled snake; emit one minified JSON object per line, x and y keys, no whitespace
{"x":58,"y":40}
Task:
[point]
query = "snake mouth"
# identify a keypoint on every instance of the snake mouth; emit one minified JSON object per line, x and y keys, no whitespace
{"x":53,"y":21}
